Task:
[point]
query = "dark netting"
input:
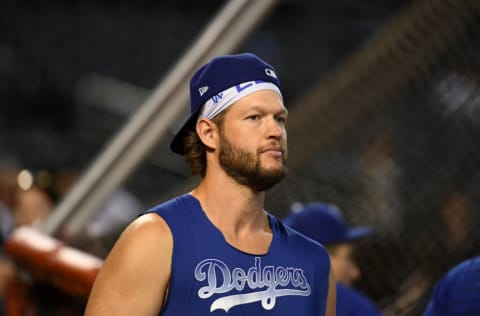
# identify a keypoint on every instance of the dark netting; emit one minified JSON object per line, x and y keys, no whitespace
{"x":391,"y":137}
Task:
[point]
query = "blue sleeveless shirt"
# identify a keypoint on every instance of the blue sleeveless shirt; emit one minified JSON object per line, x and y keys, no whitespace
{"x":211,"y":277}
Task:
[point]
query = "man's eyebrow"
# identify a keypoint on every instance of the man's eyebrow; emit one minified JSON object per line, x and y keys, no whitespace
{"x":261,"y":109}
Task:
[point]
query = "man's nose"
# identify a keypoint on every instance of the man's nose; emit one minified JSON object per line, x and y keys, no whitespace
{"x":275,"y":128}
{"x":355,"y":272}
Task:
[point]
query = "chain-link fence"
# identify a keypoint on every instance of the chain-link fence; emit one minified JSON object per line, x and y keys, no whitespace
{"x":390,"y":137}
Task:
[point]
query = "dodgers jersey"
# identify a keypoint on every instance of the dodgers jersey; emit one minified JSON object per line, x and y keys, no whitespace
{"x":211,"y":277}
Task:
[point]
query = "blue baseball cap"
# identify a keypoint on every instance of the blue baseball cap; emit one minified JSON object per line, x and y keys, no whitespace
{"x":219,"y":74}
{"x":324,"y":223}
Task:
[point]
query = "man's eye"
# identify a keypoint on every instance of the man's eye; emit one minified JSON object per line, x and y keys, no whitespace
{"x":281,"y":119}
{"x":254,"y":117}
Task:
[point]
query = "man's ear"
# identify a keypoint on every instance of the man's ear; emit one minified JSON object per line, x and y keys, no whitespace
{"x":208,"y":133}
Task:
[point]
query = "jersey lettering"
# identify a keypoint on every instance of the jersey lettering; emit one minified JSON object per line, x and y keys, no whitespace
{"x":267,"y":283}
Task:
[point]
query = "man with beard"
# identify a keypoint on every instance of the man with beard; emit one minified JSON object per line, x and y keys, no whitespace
{"x":216,"y":250}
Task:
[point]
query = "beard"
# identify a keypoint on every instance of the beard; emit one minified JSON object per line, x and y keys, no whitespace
{"x":245,"y":168}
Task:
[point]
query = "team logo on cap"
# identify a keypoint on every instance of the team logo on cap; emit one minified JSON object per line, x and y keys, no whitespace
{"x":270,"y":73}
{"x":202,"y":90}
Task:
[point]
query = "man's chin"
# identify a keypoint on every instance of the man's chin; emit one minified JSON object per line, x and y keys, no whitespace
{"x":271,"y":177}
{"x":274,"y":171}
{"x":272,"y":164}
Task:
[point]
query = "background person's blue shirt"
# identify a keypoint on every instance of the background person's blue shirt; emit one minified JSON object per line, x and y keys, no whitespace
{"x":458,"y":292}
{"x":350,"y":302}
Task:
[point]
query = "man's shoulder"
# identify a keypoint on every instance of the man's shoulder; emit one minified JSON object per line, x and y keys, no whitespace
{"x":171,"y":205}
{"x":297,"y":236}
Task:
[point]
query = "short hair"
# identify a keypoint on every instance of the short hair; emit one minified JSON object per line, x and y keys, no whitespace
{"x":195,"y":149}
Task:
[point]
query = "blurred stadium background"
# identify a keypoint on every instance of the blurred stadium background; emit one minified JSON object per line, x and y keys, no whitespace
{"x":384,"y":100}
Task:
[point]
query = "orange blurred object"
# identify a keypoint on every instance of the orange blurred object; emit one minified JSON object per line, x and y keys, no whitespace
{"x":49,"y":261}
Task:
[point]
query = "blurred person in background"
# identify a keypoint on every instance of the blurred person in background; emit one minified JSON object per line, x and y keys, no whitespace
{"x":458,"y":292}
{"x":325,"y":224}
{"x":450,"y":237}
{"x":31,"y":207}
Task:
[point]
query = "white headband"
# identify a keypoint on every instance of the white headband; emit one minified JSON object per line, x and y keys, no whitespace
{"x":222,"y":100}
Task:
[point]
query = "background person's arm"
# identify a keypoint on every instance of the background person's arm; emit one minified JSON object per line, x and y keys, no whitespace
{"x":134,"y":278}
{"x":332,"y":295}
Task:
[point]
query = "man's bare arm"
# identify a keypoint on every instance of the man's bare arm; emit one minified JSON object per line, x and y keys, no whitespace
{"x":134,"y":278}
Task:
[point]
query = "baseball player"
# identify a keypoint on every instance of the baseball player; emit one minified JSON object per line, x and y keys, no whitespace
{"x":324,"y":223}
{"x":216,"y":250}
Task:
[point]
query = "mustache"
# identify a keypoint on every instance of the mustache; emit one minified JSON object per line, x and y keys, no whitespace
{"x":278,"y":147}
{"x":275,"y":146}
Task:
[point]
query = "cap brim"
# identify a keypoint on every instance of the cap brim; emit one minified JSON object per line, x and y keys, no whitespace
{"x":176,"y":145}
{"x":359,"y":233}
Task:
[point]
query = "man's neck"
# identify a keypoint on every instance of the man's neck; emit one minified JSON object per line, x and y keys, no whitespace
{"x":238,"y":214}
{"x":232,"y":207}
